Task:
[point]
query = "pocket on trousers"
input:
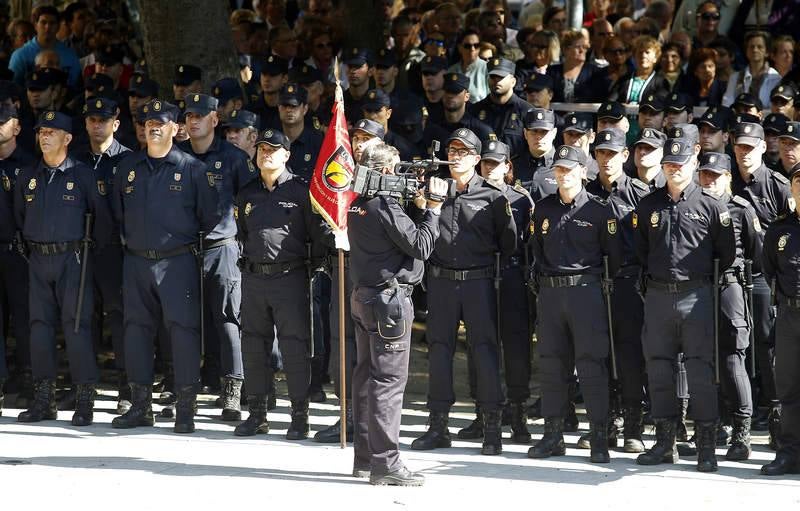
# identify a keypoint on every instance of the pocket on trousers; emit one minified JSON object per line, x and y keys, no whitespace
{"x":388,"y":311}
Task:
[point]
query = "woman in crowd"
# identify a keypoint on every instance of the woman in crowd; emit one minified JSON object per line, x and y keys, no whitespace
{"x":704,"y":86}
{"x":758,"y":77}
{"x":576,"y":80}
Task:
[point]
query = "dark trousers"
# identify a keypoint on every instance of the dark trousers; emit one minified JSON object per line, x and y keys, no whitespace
{"x":675,"y":323}
{"x":627,"y":307}
{"x":472,"y":301}
{"x":54,"y":283}
{"x":14,"y":292}
{"x":764,"y":333}
{"x":573,"y":329}
{"x":734,"y":337}
{"x":379,"y":380}
{"x":349,"y":334}
{"x":223,"y":299}
{"x":156,"y":290}
{"x":787,"y":377}
{"x":108,"y":291}
{"x":269,"y":303}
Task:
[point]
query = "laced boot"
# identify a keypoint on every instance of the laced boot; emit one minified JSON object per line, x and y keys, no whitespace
{"x":331,"y":434}
{"x":437,"y":435}
{"x":632,"y":431}
{"x":784,"y":463}
{"x":475,"y":428}
{"x":123,"y":394}
{"x":84,"y":405}
{"x":257,"y":420}
{"x":664,"y":450}
{"x":552,"y":443}
{"x":44,"y":403}
{"x":492,"y":433}
{"x":298,"y":429}
{"x":706,"y":442}
{"x":141,"y":412}
{"x":740,"y":440}
{"x":519,"y":424}
{"x":231,"y":399}
{"x":599,"y":442}
{"x":185,"y":409}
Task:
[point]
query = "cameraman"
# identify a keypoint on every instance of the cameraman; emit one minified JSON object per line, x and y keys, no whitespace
{"x":386,"y":255}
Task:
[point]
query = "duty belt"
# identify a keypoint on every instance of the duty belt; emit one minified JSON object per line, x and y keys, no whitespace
{"x":49,"y":249}
{"x":162,"y":254}
{"x":208,"y":245}
{"x":567,"y":280}
{"x":678,"y":286}
{"x":392,"y":283}
{"x":273,"y":268}
{"x":472,"y":274}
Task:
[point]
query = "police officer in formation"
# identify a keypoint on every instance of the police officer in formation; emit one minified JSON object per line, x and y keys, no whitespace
{"x":534,"y":166}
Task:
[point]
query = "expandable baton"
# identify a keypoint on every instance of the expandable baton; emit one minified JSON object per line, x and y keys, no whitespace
{"x":607,"y":283}
{"x":497,"y":278}
{"x":716,"y":320}
{"x":748,"y":295}
{"x":310,"y":273}
{"x":85,"y":242}
{"x":201,"y":260}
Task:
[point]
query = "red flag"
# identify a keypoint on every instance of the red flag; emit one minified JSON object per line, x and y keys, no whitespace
{"x":333,"y":172}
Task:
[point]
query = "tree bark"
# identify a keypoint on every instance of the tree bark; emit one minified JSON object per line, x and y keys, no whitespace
{"x":192,"y":32}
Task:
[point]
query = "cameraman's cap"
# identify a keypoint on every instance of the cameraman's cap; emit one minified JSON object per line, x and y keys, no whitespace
{"x":677,"y":150}
{"x":292,"y":94}
{"x":357,"y":57}
{"x":43,"y":78}
{"x":501,"y":67}
{"x":273,"y":138}
{"x":226,"y":89}
{"x":8,"y":111}
{"x":578,"y":121}
{"x":376,"y":99}
{"x":242,"y":119}
{"x":538,"y":82}
{"x":748,"y":100}
{"x":370,"y":128}
{"x":304,"y":75}
{"x":714,"y":118}
{"x":719,"y":163}
{"x":684,"y":131}
{"x":611,"y":139}
{"x":56,"y":120}
{"x":791,"y":130}
{"x":455,"y":83}
{"x":786,"y":91}
{"x":496,"y":151}
{"x":202,"y":104}
{"x":540,"y":118}
{"x":434,"y":64}
{"x":652,"y":102}
{"x":185,"y":74}
{"x":274,"y":66}
{"x":748,"y":133}
{"x":611,"y":110}
{"x":678,"y":102}
{"x":160,"y":111}
{"x":143,"y":87}
{"x":569,"y":156}
{"x":651,"y":137}
{"x":100,"y":107}
{"x":466,"y":137}
{"x":774,"y":123}
{"x":385,"y":59}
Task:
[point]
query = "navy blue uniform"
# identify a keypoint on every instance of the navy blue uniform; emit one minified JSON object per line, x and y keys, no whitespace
{"x":304,"y":151}
{"x":506,"y":120}
{"x":50,"y":207}
{"x":441,"y":131}
{"x":537,"y":173}
{"x":162,"y":204}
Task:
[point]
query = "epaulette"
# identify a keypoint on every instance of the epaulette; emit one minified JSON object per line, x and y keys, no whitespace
{"x":640,"y":185}
{"x":601,"y":201}
{"x":741,"y":201}
{"x":780,"y":177}
{"x":521,"y":189}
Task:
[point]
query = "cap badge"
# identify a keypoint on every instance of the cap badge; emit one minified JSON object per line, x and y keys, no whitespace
{"x":196,"y":98}
{"x":35,"y":76}
{"x":234,"y":113}
{"x":608,"y":136}
{"x":216,"y":91}
{"x":462,"y":132}
{"x":674,"y":97}
{"x":712,"y":159}
{"x":372,"y":95}
{"x":145,"y":109}
{"x":654,"y":218}
{"x":138,"y":79}
{"x":675,"y":149}
{"x":492,"y":145}
{"x":563,"y":152}
{"x":608,"y":107}
{"x":180,"y":69}
{"x":50,"y":116}
{"x":650,"y":97}
{"x":157,"y":106}
{"x":98,"y":104}
{"x":362,"y":124}
{"x":748,"y":129}
{"x":780,"y":89}
{"x":790,"y":128}
{"x":648,"y":133}
{"x":268,"y":134}
{"x":355,"y":51}
{"x":271,"y":59}
{"x":290,"y":89}
{"x":539,"y":115}
{"x":496,"y":62}
{"x":574,"y":120}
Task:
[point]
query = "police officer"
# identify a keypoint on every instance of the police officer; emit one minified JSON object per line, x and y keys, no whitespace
{"x":769,"y":193}
{"x":781,"y":250}
{"x":573,"y":231}
{"x":273,"y":76}
{"x":163,"y":198}
{"x":231,"y":170}
{"x":534,"y":166}
{"x":365,"y":133}
{"x":433,"y":80}
{"x":734,"y":328}
{"x":651,"y":112}
{"x":241,"y":130}
{"x":387,"y":250}
{"x":306,"y":140}
{"x":13,"y":263}
{"x":275,"y":222}
{"x":228,"y":94}
{"x":677,"y":110}
{"x":713,"y":127}
{"x":52,"y":199}
{"x":624,"y":194}
{"x":188,"y":80}
{"x":647,"y":153}
{"x":579,"y":132}
{"x":789,"y":140}
{"x":680,"y":231}
{"x":101,"y":117}
{"x":359,"y":65}
{"x":475,"y":225}
{"x":539,"y":90}
{"x":377,"y":106}
{"x":773,"y":127}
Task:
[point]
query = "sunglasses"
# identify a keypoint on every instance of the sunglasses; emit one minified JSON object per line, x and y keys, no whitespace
{"x":468,"y":46}
{"x":708,"y":16}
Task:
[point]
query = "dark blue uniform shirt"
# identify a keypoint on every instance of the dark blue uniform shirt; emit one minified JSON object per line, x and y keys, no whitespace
{"x":10,"y":170}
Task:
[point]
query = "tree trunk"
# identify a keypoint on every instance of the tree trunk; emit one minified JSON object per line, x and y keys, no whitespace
{"x":363,"y":29}
{"x":192,"y":32}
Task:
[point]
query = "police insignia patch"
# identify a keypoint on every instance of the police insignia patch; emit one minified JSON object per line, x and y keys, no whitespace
{"x":508,"y":208}
{"x":131,"y":176}
{"x":217,"y":165}
{"x":482,"y":115}
{"x":32,"y":184}
{"x":545,"y":225}
{"x":247,"y":209}
{"x":50,"y":116}
{"x":782,"y":241}
{"x":157,"y":106}
{"x":611,"y":225}
{"x":6,"y":183}
{"x":251,"y":166}
{"x":635,"y":220}
{"x":180,"y":69}
{"x":317,"y":125}
{"x":654,"y":218}
{"x":756,"y":224}
{"x":725,"y":218}
{"x":101,"y":187}
{"x":70,"y":185}
{"x":177,"y":176}
{"x":211,"y":180}
{"x":563,"y":152}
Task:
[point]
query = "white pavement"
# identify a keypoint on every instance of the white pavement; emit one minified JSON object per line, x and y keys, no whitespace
{"x":52,"y":465}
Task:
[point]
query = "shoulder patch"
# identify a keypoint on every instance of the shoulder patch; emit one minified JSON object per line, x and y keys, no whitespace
{"x":598,"y":200}
{"x":756,"y":224}
{"x":780,"y":178}
{"x":741,"y":201}
{"x":640,"y":185}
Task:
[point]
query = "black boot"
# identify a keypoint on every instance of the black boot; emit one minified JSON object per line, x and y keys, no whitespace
{"x":257,"y":421}
{"x":25,"y":390}
{"x":552,"y":443}
{"x":664,"y":450}
{"x":774,"y":426}
{"x":332,"y":434}
{"x":599,"y":443}
{"x":571,"y":420}
{"x":141,"y":412}
{"x":681,"y":433}
{"x":231,"y":399}
{"x":437,"y":435}
{"x":740,"y":440}
{"x":475,"y":428}
{"x":84,"y":405}
{"x":185,"y":409}
{"x":492,"y":433}
{"x":44,"y":403}
{"x":316,"y":394}
{"x":507,"y":414}
{"x":632,"y":430}
{"x":272,"y":397}
{"x":123,"y":393}
{"x":535,"y":410}
{"x":784,"y":463}
{"x":706,"y":433}
{"x":519,"y":424}
{"x":167,"y":396}
{"x":298,"y":429}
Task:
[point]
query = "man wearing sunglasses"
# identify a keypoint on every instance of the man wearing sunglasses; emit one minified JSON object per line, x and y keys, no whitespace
{"x":688,"y":19}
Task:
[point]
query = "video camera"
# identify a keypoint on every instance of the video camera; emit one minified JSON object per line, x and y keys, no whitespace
{"x":406,"y":181}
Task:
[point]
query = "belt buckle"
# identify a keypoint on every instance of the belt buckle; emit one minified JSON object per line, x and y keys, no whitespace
{"x":672,"y":287}
{"x":44,"y":248}
{"x":460,"y":275}
{"x":563,"y":280}
{"x":151,"y":254}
